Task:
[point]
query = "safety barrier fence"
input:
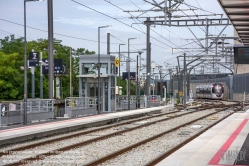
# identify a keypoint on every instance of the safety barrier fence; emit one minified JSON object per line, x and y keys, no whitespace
{"x":143,"y":102}
{"x":12,"y":112}
{"x":43,"y":109}
{"x":80,"y":106}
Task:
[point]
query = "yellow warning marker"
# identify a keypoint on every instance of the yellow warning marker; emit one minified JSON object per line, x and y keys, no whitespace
{"x":171,"y":115}
{"x":117,"y":62}
{"x":213,"y":118}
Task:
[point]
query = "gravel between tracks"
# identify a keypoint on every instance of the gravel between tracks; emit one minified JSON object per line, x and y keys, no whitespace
{"x":20,"y":144}
{"x":149,"y":151}
{"x":18,"y":155}
{"x":95,"y":150}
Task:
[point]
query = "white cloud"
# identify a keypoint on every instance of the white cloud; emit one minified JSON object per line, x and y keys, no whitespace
{"x":77,"y":21}
{"x":96,"y":22}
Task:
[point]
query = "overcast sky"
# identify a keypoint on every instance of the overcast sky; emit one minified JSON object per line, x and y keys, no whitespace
{"x":78,"y":21}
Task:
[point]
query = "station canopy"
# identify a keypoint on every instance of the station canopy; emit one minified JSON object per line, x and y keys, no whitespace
{"x":238,"y":13}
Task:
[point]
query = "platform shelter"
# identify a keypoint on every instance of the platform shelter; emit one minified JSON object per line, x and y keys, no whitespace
{"x":88,"y":80}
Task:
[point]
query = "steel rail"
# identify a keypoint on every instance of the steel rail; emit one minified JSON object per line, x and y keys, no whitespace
{"x":119,"y":152}
{"x":80,"y":133}
{"x":172,"y":150}
{"x":83,"y":143}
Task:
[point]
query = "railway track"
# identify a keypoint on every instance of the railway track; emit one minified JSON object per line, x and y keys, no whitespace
{"x":4,"y":151}
{"x":140,"y":153}
{"x":41,"y":156}
{"x":96,"y":133}
{"x":86,"y":131}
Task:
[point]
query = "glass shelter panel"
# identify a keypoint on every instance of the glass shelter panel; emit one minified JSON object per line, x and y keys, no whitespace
{"x":92,"y":68}
{"x":83,"y":87}
{"x":112,"y":81}
{"x":112,"y":68}
{"x":106,"y":95}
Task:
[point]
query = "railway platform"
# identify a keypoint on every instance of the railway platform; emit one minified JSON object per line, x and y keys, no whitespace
{"x":226,"y":143}
{"x":22,"y":133}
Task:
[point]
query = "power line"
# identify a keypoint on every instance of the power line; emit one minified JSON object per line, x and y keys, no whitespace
{"x":153,"y":30}
{"x":6,"y":33}
{"x":158,"y":46}
{"x":54,"y":33}
{"x":149,"y":16}
{"x":14,"y":34}
{"x":161,"y":25}
{"x":197,"y":8}
{"x":123,"y":41}
{"x":171,"y":31}
{"x":141,"y":22}
{"x":117,"y":20}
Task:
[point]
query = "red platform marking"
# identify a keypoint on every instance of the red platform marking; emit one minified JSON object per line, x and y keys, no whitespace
{"x":63,"y":121}
{"x":216,"y":159}
{"x":224,"y":165}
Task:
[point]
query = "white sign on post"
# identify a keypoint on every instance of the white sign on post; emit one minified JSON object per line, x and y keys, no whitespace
{"x":191,"y":100}
{"x":191,"y":94}
{"x":12,"y":107}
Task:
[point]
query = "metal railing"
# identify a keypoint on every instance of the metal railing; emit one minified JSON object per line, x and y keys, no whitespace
{"x":80,"y":102}
{"x":37,"y":109}
{"x":145,"y":101}
{"x":75,"y":106}
{"x":33,"y":105}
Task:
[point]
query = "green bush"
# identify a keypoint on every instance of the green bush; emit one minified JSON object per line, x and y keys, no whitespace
{"x":178,"y":100}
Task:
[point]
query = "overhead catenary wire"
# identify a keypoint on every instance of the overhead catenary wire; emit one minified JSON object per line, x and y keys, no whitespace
{"x":161,"y":35}
{"x":123,"y":42}
{"x":14,"y":34}
{"x":197,"y":8}
{"x":54,"y":33}
{"x":153,"y":30}
{"x":179,"y":37}
{"x":141,"y":22}
{"x":187,"y":16}
{"x":119,"y":21}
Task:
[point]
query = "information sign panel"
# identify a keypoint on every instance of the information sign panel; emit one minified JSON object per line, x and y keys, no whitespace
{"x":33,"y":58}
{"x":241,"y":55}
{"x":58,"y":66}
{"x":132,"y":75}
{"x":153,"y":98}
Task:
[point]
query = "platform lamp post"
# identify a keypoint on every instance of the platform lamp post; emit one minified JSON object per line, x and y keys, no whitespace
{"x":99,"y":65}
{"x":119,"y":65}
{"x":153,"y":66}
{"x":129,"y":69}
{"x":25,"y":95}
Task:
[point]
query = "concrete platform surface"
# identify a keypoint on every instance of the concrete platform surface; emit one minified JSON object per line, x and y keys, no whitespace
{"x":227,"y":143}
{"x":22,"y":133}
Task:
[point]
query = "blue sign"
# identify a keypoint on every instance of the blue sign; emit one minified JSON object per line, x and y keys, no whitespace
{"x":153,"y":98}
{"x":132,"y":75}
{"x":33,"y":58}
{"x":58,"y":66}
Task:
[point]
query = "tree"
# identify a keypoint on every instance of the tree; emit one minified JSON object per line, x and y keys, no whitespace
{"x":12,"y":58}
{"x":11,"y":78}
{"x":123,"y":84}
{"x":12,"y":45}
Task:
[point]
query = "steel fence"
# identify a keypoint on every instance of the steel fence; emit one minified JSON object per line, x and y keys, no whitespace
{"x":80,"y":106}
{"x":37,"y":109}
